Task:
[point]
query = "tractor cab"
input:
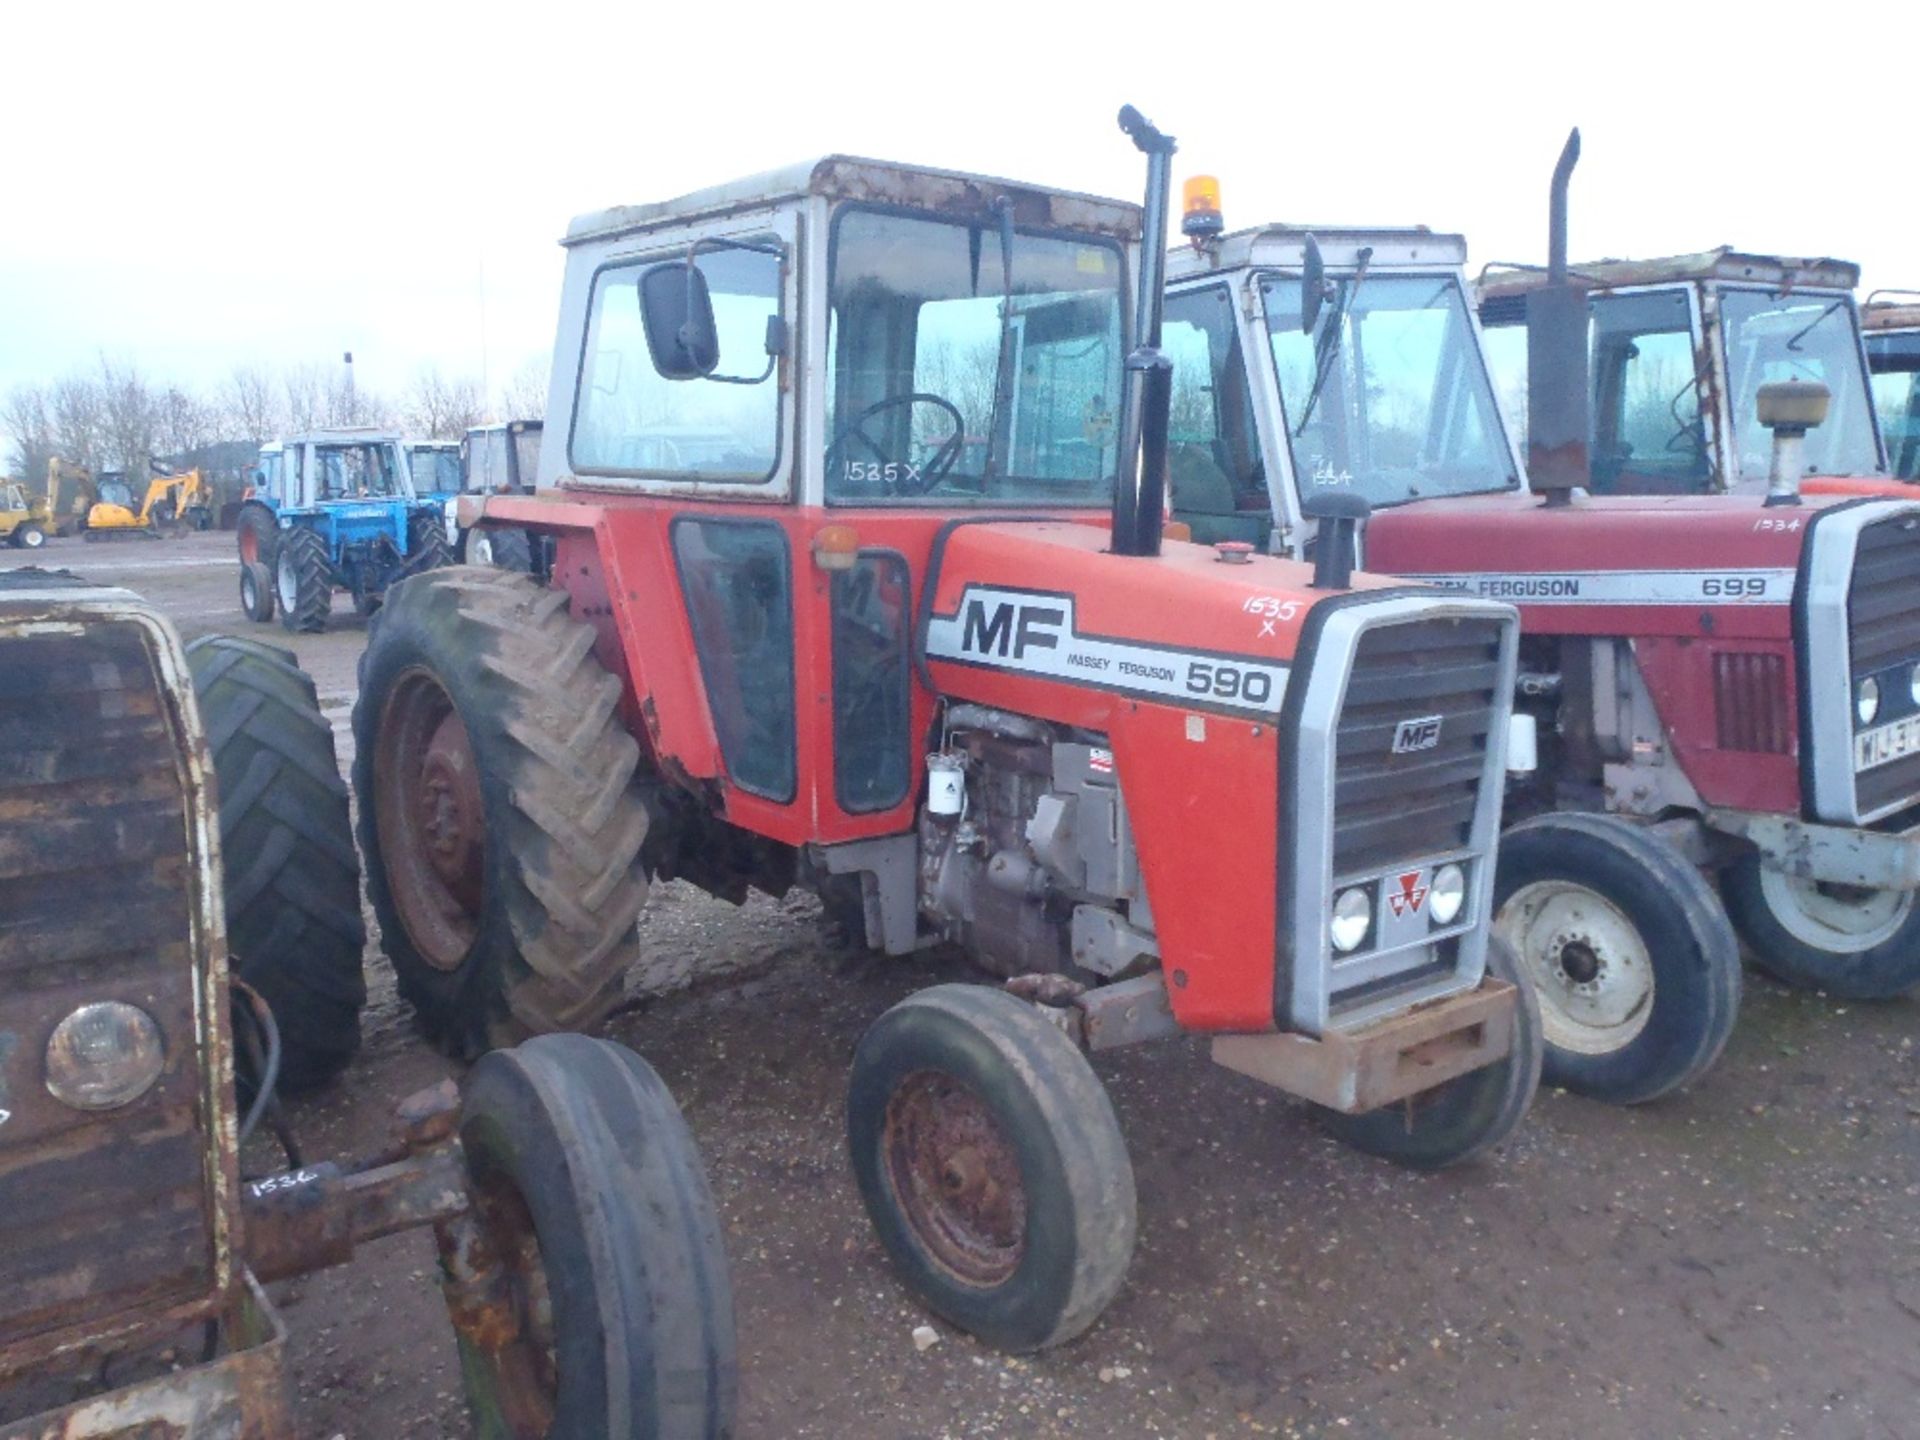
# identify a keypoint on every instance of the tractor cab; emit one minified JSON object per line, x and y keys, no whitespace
{"x":1679,"y":349}
{"x":502,"y":458}
{"x":434,"y":468}
{"x":1893,"y":356}
{"x":1332,"y":362}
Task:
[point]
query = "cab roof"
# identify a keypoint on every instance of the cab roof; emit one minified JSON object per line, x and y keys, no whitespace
{"x":1282,"y":246}
{"x":1890,"y":315}
{"x":881,"y":182}
{"x":346,"y":435}
{"x":1722,"y":263}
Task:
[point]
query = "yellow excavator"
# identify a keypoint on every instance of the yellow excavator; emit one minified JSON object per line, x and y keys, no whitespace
{"x":71,"y":493}
{"x":173,"y":504}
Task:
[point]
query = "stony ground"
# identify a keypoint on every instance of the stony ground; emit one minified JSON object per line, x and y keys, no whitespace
{"x":1739,"y":1261}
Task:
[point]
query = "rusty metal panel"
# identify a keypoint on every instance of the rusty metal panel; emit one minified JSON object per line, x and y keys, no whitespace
{"x":240,"y":1396}
{"x":117,"y":1220}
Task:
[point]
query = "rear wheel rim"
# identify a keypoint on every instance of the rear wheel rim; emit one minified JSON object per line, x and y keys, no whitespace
{"x":1589,"y":963}
{"x":1839,"y":919}
{"x":431,"y":818}
{"x":249,"y":592}
{"x":287,"y":582}
{"x":33,"y":539}
{"x":481,"y":545}
{"x":956,"y":1177}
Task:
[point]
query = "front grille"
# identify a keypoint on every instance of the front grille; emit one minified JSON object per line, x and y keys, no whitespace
{"x":108,"y":1214}
{"x":1750,"y":702}
{"x":1388,"y":807}
{"x":1883,"y":642}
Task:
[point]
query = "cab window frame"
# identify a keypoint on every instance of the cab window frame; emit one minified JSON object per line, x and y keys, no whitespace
{"x":760,"y":239}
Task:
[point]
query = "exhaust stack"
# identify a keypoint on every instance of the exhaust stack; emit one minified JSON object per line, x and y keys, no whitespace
{"x":1557,"y":386}
{"x":1790,"y":408}
{"x":1140,"y":489}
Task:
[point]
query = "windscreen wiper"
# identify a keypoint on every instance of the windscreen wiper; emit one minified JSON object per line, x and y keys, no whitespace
{"x":1330,"y":339}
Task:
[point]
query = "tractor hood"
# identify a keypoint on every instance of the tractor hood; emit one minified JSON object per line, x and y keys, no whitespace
{"x":1642,"y":565}
{"x":1008,"y":603}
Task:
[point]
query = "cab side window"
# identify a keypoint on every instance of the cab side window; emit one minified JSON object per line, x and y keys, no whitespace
{"x":1648,"y":434}
{"x":1218,"y":481}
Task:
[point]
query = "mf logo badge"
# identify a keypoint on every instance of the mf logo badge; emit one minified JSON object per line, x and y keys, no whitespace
{"x":1412,"y":735}
{"x":1411,"y":895}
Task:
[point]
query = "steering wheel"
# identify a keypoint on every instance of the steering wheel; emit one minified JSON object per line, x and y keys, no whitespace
{"x":935,"y":470}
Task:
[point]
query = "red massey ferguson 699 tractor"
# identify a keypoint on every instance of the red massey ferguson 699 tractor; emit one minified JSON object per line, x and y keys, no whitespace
{"x":1710,"y":686}
{"x":834,"y":601}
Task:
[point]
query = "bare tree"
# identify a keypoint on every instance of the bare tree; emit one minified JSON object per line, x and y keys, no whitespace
{"x":184,"y":424}
{"x":248,"y":406}
{"x":305,"y":390}
{"x":524,"y":396}
{"x":26,"y":416}
{"x":441,"y":409}
{"x":78,"y":422}
{"x":129,"y":419}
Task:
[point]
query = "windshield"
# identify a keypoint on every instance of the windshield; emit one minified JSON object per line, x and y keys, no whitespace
{"x":349,"y":472}
{"x":435,"y":471}
{"x":1798,"y":336}
{"x":1895,"y":359}
{"x":957,"y":376}
{"x":1404,"y":408}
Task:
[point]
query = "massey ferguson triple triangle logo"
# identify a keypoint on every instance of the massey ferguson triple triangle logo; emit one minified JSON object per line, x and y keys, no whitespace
{"x":1410,"y":896}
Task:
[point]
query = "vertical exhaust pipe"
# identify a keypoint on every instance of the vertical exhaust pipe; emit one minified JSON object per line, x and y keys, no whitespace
{"x":1140,"y":488}
{"x":1558,"y":398}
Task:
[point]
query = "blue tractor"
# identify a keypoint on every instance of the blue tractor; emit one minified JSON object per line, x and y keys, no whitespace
{"x":333,"y":510}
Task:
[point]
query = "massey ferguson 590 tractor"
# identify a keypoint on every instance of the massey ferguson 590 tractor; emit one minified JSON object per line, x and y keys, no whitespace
{"x":1709,"y":685}
{"x":872,"y":634}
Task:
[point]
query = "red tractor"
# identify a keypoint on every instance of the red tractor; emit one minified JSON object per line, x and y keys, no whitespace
{"x":1892,"y":329}
{"x":1711,"y":687}
{"x":854,"y":496}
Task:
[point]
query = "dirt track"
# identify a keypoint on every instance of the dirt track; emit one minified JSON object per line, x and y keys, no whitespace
{"x":1740,"y":1261}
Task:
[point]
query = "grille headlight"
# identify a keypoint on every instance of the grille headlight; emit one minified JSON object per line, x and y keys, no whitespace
{"x":1448,"y":894}
{"x":1352,"y":918}
{"x":104,"y":1055}
{"x":1867,"y":704}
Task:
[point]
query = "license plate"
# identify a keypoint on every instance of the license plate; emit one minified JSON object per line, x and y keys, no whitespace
{"x":1882,"y":746}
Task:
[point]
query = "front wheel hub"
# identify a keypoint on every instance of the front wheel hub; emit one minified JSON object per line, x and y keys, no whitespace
{"x":431,"y":817}
{"x":957,"y":1178}
{"x":1588,"y":961}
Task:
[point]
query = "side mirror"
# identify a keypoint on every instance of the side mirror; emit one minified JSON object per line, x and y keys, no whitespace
{"x":1313,"y":286}
{"x":677,"y":313}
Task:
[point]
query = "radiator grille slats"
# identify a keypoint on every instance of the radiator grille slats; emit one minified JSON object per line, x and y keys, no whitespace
{"x":1390,"y":808}
{"x":1750,"y":703}
{"x":1883,"y":640}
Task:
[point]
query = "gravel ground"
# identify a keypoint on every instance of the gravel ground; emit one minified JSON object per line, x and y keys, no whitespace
{"x":1739,"y":1261}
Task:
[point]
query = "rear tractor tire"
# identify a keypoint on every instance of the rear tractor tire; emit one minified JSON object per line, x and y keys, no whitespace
{"x":30,"y":536}
{"x":497,"y":813}
{"x":427,"y":547}
{"x":1466,"y":1117}
{"x":1637,"y":969}
{"x":1849,"y":941}
{"x":506,"y":547}
{"x":257,"y":535}
{"x":589,"y":1191}
{"x":992,"y":1165}
{"x":292,"y":875}
{"x":303,"y":582}
{"x":256,"y":592}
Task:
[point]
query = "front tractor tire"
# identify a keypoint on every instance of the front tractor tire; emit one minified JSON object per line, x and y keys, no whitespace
{"x":1849,"y":941}
{"x":497,"y":813}
{"x":1636,"y":965}
{"x":303,"y":582}
{"x":256,"y":593}
{"x":590,"y":1197}
{"x":292,"y":875}
{"x":257,"y":535}
{"x":1466,"y":1117}
{"x":992,"y":1165}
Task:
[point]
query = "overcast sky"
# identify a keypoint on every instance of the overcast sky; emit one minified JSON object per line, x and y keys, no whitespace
{"x":191,"y":186}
